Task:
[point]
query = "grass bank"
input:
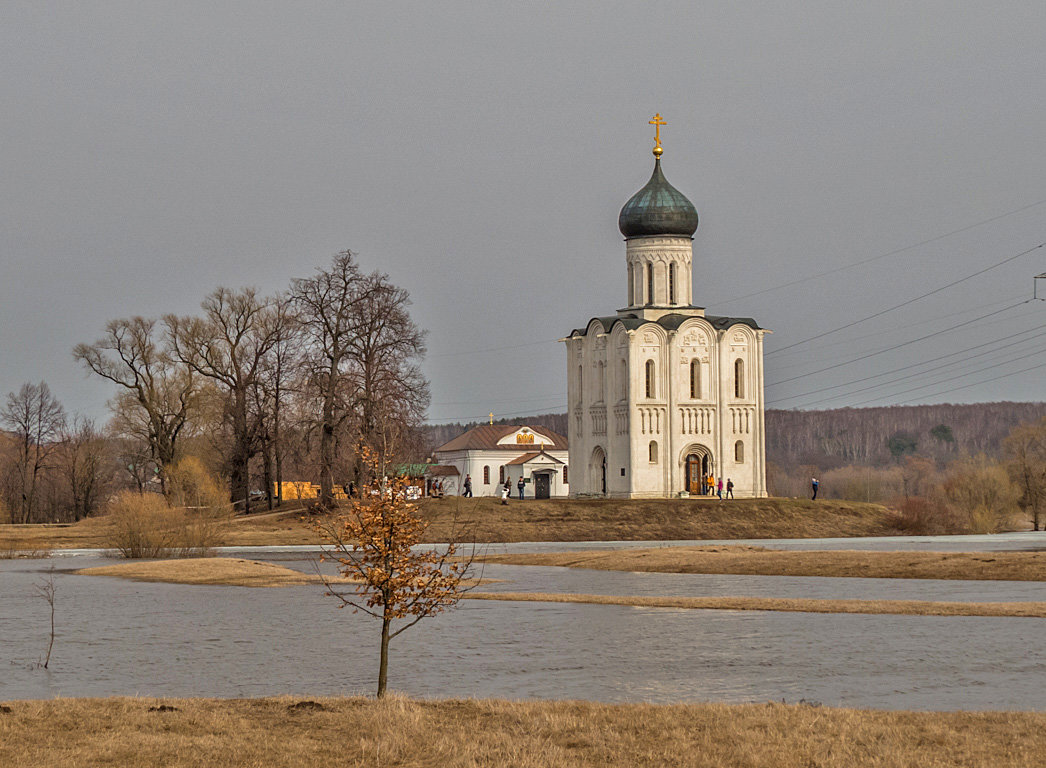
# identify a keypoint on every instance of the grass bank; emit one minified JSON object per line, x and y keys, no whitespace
{"x":747,"y":560}
{"x":248,"y":573}
{"x":486,"y":520}
{"x":288,"y":732}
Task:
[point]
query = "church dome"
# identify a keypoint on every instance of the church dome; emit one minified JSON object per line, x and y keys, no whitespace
{"x":658,"y":209}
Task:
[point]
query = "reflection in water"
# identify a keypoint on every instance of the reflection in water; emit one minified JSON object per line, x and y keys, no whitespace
{"x":128,"y":638}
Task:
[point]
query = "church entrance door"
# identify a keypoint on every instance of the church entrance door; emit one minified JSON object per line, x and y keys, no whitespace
{"x":694,"y":475}
{"x":542,"y":485}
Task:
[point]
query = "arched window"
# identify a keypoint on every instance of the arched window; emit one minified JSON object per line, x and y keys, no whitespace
{"x":649,"y":283}
{"x":650,"y":378}
{"x":631,"y":285}
{"x":580,"y":384}
{"x":486,"y":475}
{"x":671,"y":283}
{"x":653,"y":452}
{"x":739,"y":452}
{"x":739,"y":378}
{"x":695,"y":379}
{"x":501,"y":474}
{"x":624,"y":379}
{"x":601,"y":373}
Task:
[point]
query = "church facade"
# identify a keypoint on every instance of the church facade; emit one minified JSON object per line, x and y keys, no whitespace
{"x":662,"y":396}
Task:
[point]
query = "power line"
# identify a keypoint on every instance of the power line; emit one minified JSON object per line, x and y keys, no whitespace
{"x":993,"y":343}
{"x":885,"y":255}
{"x":899,"y":346}
{"x":910,"y":301}
{"x":964,"y":386}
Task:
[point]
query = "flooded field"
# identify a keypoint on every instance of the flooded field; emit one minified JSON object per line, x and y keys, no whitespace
{"x":120,"y":637}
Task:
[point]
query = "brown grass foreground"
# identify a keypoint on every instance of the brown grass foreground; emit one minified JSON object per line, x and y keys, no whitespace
{"x":248,"y":573}
{"x":285,"y":732}
{"x":487,"y":520}
{"x":1004,"y":566}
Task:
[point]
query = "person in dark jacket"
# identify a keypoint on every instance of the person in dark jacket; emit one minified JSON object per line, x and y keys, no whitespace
{"x":521,"y":485}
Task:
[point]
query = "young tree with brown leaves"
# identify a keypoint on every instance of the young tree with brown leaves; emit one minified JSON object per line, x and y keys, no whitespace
{"x":374,"y":544}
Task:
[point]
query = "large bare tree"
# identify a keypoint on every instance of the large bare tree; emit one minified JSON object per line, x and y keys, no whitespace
{"x":391,"y":394}
{"x":160,"y":392}
{"x":1025,"y":450}
{"x":229,"y":344}
{"x":86,"y":465}
{"x":36,"y":418}
{"x":325,"y":306}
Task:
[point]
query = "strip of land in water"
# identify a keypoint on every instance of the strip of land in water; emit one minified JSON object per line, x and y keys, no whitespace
{"x":486,"y":520}
{"x":288,"y":732}
{"x":758,"y":561}
{"x":248,"y":573}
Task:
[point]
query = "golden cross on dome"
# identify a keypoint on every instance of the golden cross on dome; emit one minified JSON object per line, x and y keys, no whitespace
{"x":492,"y":419}
{"x":657,"y":122}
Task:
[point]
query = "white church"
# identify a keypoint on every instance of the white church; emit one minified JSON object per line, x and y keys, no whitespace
{"x":661,"y":396}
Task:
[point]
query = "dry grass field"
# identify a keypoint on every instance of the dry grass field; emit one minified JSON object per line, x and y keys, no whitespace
{"x":747,"y":560}
{"x":290,"y":732}
{"x":487,"y":520}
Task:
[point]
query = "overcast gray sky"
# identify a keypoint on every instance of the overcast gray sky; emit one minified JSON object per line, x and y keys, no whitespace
{"x":480,"y":153}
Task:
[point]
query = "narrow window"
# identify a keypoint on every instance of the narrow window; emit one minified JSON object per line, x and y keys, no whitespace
{"x":501,"y":474}
{"x":739,"y":452}
{"x":653,"y":452}
{"x":631,"y":285}
{"x":601,"y":372}
{"x":650,"y":378}
{"x":624,"y":379}
{"x":695,"y":379}
{"x":565,"y":481}
{"x":739,"y":378}
{"x":671,"y":283}
{"x":486,"y":475}
{"x":649,"y":283}
{"x":580,"y":384}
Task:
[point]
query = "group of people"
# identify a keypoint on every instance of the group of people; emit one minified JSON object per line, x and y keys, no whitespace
{"x":506,"y":488}
{"x":711,"y":487}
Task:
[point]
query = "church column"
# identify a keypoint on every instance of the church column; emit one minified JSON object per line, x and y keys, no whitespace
{"x":759,"y":443}
{"x":670,"y":447}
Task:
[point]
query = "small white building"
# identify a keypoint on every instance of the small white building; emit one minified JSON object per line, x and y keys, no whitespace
{"x":490,"y":454}
{"x":661,"y":395}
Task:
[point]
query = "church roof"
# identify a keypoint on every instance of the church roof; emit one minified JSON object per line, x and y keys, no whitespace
{"x":658,"y":209}
{"x":486,"y":436}
{"x":531,"y":456}
{"x":668,"y":322}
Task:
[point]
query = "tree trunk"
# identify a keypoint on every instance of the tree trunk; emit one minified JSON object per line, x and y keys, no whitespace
{"x":383,"y":667}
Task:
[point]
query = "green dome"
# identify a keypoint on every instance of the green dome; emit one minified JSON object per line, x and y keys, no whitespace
{"x":658,"y":209}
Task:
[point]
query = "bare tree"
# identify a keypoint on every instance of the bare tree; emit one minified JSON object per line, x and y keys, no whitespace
{"x":390,"y":392}
{"x":85,"y":464}
{"x":160,"y":391}
{"x":325,"y":306}
{"x":47,"y":591}
{"x":228,"y":345}
{"x":37,"y":419}
{"x":1025,"y":451}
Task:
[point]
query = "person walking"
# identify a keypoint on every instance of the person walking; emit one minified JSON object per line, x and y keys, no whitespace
{"x":709,"y":485}
{"x":468,"y":487}
{"x":506,"y":489}
{"x":720,"y":489}
{"x":813,"y":486}
{"x":729,"y":488}
{"x":521,"y":485}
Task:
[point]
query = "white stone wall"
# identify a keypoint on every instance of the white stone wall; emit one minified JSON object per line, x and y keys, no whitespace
{"x":472,"y":463}
{"x":618,"y":421}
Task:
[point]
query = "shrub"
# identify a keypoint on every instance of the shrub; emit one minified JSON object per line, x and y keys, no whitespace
{"x":139,"y":524}
{"x":921,"y":516}
{"x":144,"y":525}
{"x":981,"y":491}
{"x":190,"y":486}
